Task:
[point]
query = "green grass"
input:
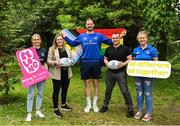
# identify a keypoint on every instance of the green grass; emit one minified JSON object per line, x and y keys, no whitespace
{"x":166,"y":105}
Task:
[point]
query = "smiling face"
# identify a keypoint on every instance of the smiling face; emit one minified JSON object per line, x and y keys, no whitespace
{"x":142,"y":39}
{"x":89,"y":25}
{"x":115,"y":39}
{"x":36,"y":40}
{"x":60,"y":41}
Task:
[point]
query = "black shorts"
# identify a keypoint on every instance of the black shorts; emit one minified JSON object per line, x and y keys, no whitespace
{"x":90,"y":70}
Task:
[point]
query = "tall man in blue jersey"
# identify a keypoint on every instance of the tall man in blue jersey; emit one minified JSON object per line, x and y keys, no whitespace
{"x":90,"y":60}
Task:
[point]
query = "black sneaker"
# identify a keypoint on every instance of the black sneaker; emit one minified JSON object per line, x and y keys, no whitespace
{"x":104,"y":109}
{"x":66,"y":108}
{"x":130,"y":114}
{"x":58,"y":113}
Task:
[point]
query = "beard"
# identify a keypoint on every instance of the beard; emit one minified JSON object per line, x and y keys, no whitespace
{"x":89,"y":29}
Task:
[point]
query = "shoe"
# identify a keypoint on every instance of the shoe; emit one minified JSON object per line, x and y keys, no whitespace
{"x":95,"y":108}
{"x":104,"y":109}
{"x":130,"y":114}
{"x":66,"y":108}
{"x":39,"y":114}
{"x":147,"y":117}
{"x":29,"y":116}
{"x":87,"y":108}
{"x":58,"y":113}
{"x":138,"y":115}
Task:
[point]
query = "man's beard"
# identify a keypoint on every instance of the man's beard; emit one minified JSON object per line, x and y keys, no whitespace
{"x":89,"y":29}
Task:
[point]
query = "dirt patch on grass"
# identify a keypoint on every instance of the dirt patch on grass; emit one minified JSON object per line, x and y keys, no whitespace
{"x":10,"y":99}
{"x":174,"y":106}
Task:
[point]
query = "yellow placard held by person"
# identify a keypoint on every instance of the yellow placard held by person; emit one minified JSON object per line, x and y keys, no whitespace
{"x":152,"y":69}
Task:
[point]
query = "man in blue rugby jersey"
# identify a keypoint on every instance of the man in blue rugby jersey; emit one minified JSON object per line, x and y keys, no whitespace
{"x":90,"y":60}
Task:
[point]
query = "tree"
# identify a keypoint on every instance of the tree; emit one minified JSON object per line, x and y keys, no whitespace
{"x":161,"y":20}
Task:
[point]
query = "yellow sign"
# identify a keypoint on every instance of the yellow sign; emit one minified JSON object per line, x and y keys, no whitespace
{"x":154,"y":69}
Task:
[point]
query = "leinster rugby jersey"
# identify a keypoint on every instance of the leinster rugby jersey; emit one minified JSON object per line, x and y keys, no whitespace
{"x":145,"y":54}
{"x":91,"y":44}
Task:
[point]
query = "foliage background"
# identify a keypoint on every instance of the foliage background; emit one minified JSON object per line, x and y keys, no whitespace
{"x":19,"y":19}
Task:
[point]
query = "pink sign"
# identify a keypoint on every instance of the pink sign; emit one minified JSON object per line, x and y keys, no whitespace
{"x":31,"y":67}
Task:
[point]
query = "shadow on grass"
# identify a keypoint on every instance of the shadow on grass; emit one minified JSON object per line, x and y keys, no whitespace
{"x":175,"y":105}
{"x":11,"y":99}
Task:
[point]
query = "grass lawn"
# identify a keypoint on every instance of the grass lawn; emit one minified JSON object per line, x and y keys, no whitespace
{"x":166,"y":105}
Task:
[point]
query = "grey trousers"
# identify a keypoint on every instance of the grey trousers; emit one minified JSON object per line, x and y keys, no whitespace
{"x":121,"y":78}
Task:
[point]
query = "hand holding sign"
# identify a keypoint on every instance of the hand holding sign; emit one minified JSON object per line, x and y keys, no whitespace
{"x":76,"y":51}
{"x":31,"y":67}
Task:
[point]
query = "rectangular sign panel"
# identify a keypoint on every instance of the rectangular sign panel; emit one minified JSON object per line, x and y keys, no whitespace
{"x":31,"y":67}
{"x":153,"y":69}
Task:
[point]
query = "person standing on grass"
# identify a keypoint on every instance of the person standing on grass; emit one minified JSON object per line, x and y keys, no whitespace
{"x":36,"y":42}
{"x":60,"y":75}
{"x":90,"y":60}
{"x":123,"y":54}
{"x":144,"y":51}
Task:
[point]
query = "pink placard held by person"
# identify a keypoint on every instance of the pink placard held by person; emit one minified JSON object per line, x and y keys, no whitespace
{"x":31,"y":67}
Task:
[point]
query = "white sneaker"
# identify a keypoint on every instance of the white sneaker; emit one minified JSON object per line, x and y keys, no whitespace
{"x":29,"y":116}
{"x":39,"y":114}
{"x":87,"y":108}
{"x":95,"y":108}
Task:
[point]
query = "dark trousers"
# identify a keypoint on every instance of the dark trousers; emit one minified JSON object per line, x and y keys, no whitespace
{"x":121,"y":78}
{"x":63,"y":84}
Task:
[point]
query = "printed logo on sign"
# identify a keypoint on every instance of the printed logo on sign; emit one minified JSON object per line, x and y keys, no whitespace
{"x":30,"y":65}
{"x":32,"y":70}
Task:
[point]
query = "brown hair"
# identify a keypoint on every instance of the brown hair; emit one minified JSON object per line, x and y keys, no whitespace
{"x":89,"y":19}
{"x":116,"y":33}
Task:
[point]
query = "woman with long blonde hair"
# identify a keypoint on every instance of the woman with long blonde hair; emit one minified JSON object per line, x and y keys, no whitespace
{"x":60,"y":75}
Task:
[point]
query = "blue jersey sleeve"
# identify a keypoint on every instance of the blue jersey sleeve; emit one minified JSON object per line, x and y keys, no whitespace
{"x":154,"y":52}
{"x":73,"y":43}
{"x":106,"y":40}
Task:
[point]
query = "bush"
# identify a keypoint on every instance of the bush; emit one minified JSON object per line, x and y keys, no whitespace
{"x":9,"y":72}
{"x":174,"y":58}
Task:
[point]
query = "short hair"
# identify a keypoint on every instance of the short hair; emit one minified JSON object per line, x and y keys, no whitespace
{"x":116,"y":33}
{"x":35,"y":35}
{"x":142,"y":32}
{"x":89,"y":19}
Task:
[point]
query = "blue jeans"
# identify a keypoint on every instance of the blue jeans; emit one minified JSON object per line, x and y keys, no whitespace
{"x":39,"y":98}
{"x":144,"y":89}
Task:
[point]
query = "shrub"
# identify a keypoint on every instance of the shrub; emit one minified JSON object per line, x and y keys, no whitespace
{"x":9,"y":73}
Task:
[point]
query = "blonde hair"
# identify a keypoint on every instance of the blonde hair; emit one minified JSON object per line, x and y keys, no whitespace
{"x":142,"y":32}
{"x":35,"y":35}
{"x":54,"y":44}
